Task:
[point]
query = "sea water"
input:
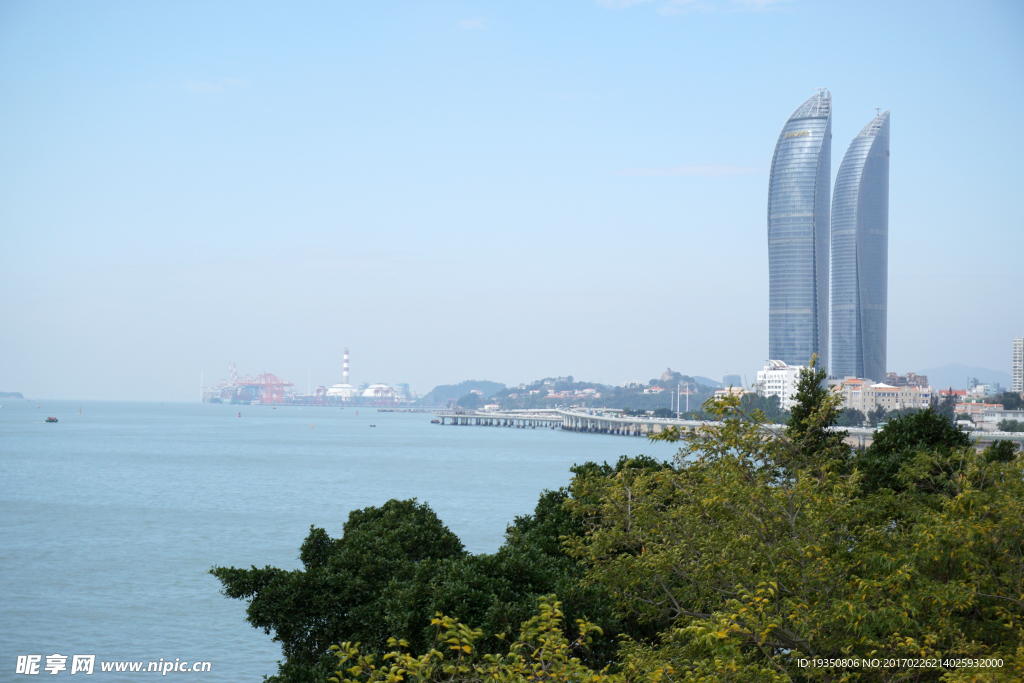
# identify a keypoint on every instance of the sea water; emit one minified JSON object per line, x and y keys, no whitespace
{"x":111,"y":518}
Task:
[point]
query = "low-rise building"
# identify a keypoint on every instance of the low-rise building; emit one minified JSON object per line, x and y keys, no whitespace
{"x":996,"y":416}
{"x":861,"y":394}
{"x":976,"y":411}
{"x":731,"y":391}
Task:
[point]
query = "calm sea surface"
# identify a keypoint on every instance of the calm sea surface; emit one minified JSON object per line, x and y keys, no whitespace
{"x":110,"y":519}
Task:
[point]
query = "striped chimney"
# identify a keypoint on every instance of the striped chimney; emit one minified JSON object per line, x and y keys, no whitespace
{"x":344,"y":368}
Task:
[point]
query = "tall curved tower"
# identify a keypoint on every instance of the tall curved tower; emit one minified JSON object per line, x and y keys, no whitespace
{"x":860,"y":255}
{"x":798,"y":225}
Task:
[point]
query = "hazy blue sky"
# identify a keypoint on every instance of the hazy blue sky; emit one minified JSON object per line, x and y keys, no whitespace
{"x":489,"y":190}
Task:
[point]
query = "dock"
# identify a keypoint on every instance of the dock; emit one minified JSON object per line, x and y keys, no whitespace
{"x":642,"y":426}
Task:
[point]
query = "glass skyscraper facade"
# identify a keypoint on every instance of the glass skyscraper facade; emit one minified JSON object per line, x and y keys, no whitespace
{"x":860,"y":255}
{"x":798,"y":234}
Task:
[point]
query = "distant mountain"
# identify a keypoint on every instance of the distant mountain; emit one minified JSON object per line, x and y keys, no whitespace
{"x":707,"y":382}
{"x":955,"y":375}
{"x":440,"y":395}
{"x":11,"y":394}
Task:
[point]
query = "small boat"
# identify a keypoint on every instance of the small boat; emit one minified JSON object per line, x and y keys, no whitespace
{"x":373,"y":425}
{"x":435,"y":421}
{"x":51,"y":419}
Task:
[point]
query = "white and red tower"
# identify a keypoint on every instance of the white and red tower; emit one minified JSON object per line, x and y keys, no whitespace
{"x":344,"y":368}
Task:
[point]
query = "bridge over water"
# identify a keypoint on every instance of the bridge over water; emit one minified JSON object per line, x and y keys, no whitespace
{"x":600,"y":423}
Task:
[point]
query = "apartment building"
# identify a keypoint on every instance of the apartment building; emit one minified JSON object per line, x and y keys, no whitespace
{"x":862,"y":395}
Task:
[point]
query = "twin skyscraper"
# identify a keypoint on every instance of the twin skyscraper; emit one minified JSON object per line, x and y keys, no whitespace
{"x":801,"y":235}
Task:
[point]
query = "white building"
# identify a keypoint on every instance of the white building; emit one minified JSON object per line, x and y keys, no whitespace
{"x":976,"y":411}
{"x":861,"y":394}
{"x":1018,"y":365}
{"x":995,"y":416}
{"x":779,"y":379}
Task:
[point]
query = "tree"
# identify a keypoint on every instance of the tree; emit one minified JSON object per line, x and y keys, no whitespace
{"x":876,"y":415}
{"x":851,"y":417}
{"x":901,"y":439}
{"x":397,"y":565}
{"x":1010,"y":426}
{"x":946,"y":406}
{"x":760,"y":548}
{"x":1001,"y":451}
{"x":815,"y":411}
{"x":541,"y":653}
{"x":770,"y":407}
{"x":1010,"y":400}
{"x":341,"y":591}
{"x":470,"y":401}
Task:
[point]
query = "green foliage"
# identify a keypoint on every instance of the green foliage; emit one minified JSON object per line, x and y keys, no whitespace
{"x":440,"y":395}
{"x":470,"y":401}
{"x":1009,"y":400}
{"x":1010,"y":426}
{"x":542,"y":652}
{"x":851,"y":417}
{"x":1001,"y":451}
{"x":901,"y":439}
{"x":876,"y":415}
{"x":759,"y":545}
{"x":946,"y":406}
{"x":769,"y":406}
{"x":759,"y":548}
{"x":816,"y":410}
{"x":342,"y":590}
{"x":360,"y":588}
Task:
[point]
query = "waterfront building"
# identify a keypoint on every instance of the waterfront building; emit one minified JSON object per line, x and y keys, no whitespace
{"x":993,"y":416}
{"x":778,"y":378}
{"x":798,"y":234}
{"x":863,"y":395}
{"x":976,"y":411}
{"x":860,"y":254}
{"x":1018,"y":366}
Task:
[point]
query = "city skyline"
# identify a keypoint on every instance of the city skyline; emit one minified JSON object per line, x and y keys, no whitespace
{"x":860,"y":242}
{"x":474,"y":189}
{"x":798,"y":235}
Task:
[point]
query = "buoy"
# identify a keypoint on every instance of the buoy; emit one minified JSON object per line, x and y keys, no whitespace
{"x":311,"y":426}
{"x":239,"y":415}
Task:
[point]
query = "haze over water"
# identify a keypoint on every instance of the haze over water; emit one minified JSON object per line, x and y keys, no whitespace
{"x":112,"y":516}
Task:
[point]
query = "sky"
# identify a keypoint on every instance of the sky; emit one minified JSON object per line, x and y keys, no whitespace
{"x":477,"y":190}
